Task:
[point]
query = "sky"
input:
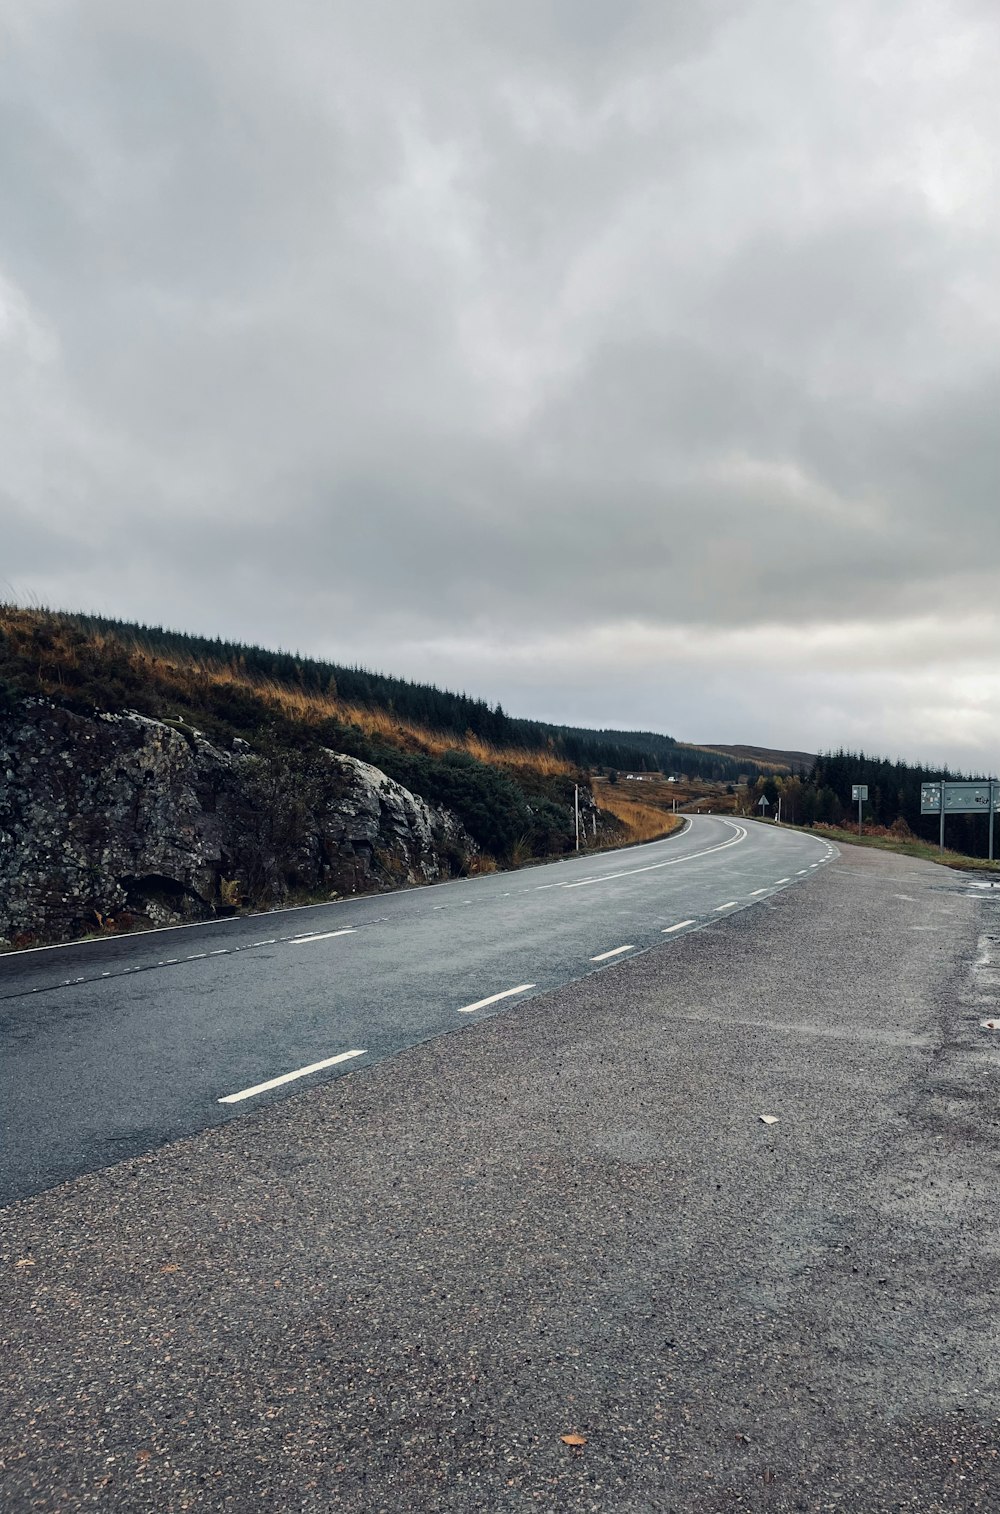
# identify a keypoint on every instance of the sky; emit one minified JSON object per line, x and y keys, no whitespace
{"x":632,"y":363}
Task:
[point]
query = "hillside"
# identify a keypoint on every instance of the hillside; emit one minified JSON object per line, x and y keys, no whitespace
{"x":92,"y":662}
{"x":149,"y":778}
{"x":777,"y":760}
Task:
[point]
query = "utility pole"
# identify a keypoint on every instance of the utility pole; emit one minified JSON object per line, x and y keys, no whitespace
{"x":992,"y":807}
{"x":576,"y":812}
{"x":941,"y":842}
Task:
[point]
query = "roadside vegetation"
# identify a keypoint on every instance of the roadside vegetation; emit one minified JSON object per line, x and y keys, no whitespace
{"x":889,"y":841}
{"x":822,"y":797}
{"x":515,"y":797}
{"x":644,"y":807}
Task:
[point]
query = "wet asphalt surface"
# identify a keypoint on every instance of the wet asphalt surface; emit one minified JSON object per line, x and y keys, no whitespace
{"x":112,"y":1047}
{"x":399,"y":1290}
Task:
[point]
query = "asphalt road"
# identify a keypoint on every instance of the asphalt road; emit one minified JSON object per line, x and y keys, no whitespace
{"x":402,"y":1289}
{"x":110,"y":1048}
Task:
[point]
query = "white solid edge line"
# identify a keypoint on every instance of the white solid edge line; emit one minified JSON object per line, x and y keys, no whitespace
{"x":731,"y":904}
{"x":522,"y":988}
{"x":615,"y":951}
{"x":288,"y":1077}
{"x":669,"y":929}
{"x":326,"y":935}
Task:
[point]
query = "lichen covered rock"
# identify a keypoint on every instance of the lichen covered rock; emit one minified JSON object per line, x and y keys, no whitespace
{"x":106,"y":817}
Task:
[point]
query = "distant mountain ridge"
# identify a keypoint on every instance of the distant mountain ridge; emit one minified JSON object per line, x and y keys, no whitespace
{"x":769,"y":757}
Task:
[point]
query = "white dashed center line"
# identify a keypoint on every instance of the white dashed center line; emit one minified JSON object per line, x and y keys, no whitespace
{"x":615,"y":951}
{"x":289,"y":1077}
{"x":668,"y":930}
{"x":757,"y":891}
{"x":731,"y":904}
{"x":782,"y":880}
{"x":507,"y":993}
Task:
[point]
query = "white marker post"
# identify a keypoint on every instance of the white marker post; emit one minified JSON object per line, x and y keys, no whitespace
{"x":576,"y":811}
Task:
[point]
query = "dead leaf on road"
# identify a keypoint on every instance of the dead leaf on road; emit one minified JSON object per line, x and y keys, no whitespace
{"x":25,"y":1261}
{"x":573,"y":1440}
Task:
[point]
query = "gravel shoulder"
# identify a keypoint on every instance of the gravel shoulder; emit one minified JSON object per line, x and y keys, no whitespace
{"x":400,"y":1290}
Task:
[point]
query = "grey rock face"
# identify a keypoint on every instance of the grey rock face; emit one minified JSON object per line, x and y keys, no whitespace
{"x":118,"y":815}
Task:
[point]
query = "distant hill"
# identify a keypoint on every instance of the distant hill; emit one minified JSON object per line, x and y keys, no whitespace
{"x":512,"y":784}
{"x":764,"y":756}
{"x":89,"y":660}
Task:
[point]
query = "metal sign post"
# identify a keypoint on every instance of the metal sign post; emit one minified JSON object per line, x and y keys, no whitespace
{"x":763,"y":804}
{"x":859,"y":792}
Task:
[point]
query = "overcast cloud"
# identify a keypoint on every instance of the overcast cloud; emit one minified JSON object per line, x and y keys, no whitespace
{"x":633,"y":362}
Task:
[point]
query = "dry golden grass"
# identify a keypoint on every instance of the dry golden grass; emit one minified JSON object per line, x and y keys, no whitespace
{"x":313,"y":707}
{"x":643,"y":821}
{"x":645,"y":805}
{"x":299,"y":704}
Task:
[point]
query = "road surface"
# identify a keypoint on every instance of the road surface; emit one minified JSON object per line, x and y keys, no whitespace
{"x":110,"y":1048}
{"x":400,"y":1290}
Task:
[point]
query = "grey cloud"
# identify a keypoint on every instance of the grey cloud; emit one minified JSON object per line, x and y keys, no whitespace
{"x":391,"y":331}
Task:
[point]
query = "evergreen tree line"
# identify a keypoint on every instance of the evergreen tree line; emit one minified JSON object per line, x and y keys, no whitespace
{"x":823,"y":797}
{"x":424,"y":704}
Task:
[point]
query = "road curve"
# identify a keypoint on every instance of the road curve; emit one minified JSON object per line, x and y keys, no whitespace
{"x":110,"y":1048}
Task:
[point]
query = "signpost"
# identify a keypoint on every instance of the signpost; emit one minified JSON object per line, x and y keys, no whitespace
{"x":961,"y":798}
{"x":859,"y":793}
{"x":763,"y":804}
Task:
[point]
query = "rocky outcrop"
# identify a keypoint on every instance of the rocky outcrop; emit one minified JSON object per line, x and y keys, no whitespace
{"x":107,"y":818}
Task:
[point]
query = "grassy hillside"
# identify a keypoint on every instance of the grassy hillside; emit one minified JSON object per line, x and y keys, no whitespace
{"x":515,"y":796}
{"x":777,"y":760}
{"x":104,"y":663}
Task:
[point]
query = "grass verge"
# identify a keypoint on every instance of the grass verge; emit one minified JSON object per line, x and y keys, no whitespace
{"x":924,"y":851}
